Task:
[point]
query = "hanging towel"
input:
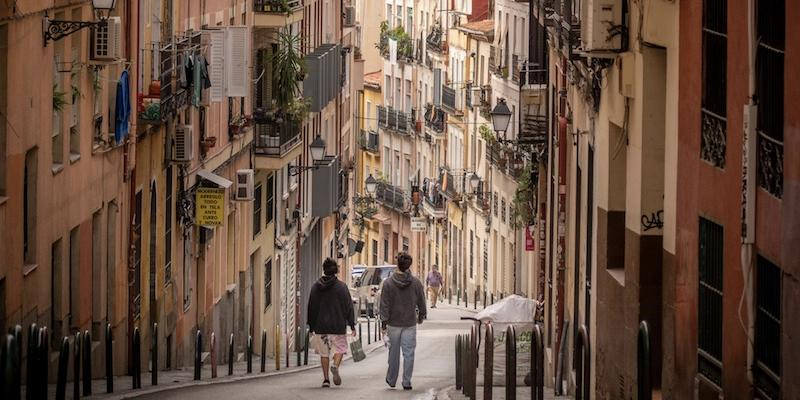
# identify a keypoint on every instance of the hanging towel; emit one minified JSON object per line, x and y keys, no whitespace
{"x":123,"y":108}
{"x":200,"y":81}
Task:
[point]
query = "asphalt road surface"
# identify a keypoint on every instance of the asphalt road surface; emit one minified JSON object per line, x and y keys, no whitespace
{"x":434,"y":370}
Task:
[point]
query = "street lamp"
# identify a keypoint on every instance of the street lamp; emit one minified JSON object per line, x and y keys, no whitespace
{"x":317,"y":154}
{"x":372,"y":185}
{"x":474,"y":180}
{"x":501,"y":116}
{"x":57,"y":29}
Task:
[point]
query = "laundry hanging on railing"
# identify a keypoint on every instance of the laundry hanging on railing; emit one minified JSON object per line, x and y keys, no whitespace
{"x":123,"y":108}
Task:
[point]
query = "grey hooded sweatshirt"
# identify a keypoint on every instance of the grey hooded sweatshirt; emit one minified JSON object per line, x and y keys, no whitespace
{"x":402,"y":297}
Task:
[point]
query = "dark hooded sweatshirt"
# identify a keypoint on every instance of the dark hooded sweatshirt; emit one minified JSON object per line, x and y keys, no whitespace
{"x":330,"y":307}
{"x":402,"y":297}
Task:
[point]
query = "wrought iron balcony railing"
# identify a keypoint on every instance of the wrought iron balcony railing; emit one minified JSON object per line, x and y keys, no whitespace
{"x":770,"y":164}
{"x":390,"y":196}
{"x":436,"y":40}
{"x":533,"y":74}
{"x":397,"y":121}
{"x":369,"y":141}
{"x":450,"y":100}
{"x":507,"y":161}
{"x":435,"y":118}
{"x":713,"y":138}
{"x":276,"y":139}
{"x":277,"y":6}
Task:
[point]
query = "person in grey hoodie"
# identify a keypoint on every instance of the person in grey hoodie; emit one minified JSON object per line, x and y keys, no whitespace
{"x":402,"y":308}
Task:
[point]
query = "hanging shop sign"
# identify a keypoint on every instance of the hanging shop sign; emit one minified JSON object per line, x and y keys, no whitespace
{"x":210,"y":206}
{"x":419,"y":224}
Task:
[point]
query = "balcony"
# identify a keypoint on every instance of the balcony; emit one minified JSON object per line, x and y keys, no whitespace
{"x":450,"y":101}
{"x":393,"y":120}
{"x":713,"y":138}
{"x":405,"y":45}
{"x":485,"y":101}
{"x":566,"y":30}
{"x":276,"y":13}
{"x":390,"y":196}
{"x":433,"y":202}
{"x":506,"y":161}
{"x":276,"y":143}
{"x":770,"y":164}
{"x":436,"y":40}
{"x":369,"y":141}
{"x":435,"y":119}
{"x":534,"y":130}
{"x":165,"y":97}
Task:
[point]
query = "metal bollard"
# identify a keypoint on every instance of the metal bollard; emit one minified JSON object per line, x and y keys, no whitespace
{"x":63,"y":365}
{"x":537,"y":364}
{"x":472,"y":358}
{"x":43,"y":358}
{"x":458,"y":296}
{"x":459,"y":376}
{"x":109,"y":360}
{"x":213,"y":355}
{"x":263,"y":350}
{"x":476,"y":299}
{"x":484,"y":299}
{"x":287,"y":351}
{"x":277,"y":347}
{"x":154,"y":357}
{"x":369,"y":333}
{"x":305,"y":346}
{"x":511,"y":363}
{"x":449,"y":296}
{"x":137,"y":359}
{"x":466,"y":299}
{"x":582,"y":366}
{"x":492,"y":298}
{"x":644,"y":388}
{"x":16,"y":331}
{"x":249,"y":354}
{"x":198,"y":349}
{"x":298,"y":343}
{"x":10,"y":367}
{"x":230,"y":355}
{"x":30,"y":374}
{"x":488,"y":362}
{"x":360,"y":339}
{"x":465,"y":365}
{"x":87,"y":363}
{"x":76,"y":366}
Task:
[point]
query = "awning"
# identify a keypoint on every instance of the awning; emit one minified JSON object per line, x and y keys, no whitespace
{"x":382,"y":219}
{"x":214,"y":178}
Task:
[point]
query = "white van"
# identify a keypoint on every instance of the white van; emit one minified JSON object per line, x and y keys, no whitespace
{"x":368,"y":287}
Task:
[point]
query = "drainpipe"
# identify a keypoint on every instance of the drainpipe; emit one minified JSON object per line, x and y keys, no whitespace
{"x":749,"y":191}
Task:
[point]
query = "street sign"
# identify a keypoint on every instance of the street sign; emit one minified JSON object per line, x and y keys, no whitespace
{"x":419,"y":224}
{"x":530,"y":244}
{"x":210,"y":206}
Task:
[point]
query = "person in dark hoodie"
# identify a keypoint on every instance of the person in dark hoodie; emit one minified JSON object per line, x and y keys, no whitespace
{"x":402,"y":308}
{"x":330,"y":312}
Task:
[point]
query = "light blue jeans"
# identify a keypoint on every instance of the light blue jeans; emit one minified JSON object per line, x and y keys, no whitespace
{"x":405,"y":339}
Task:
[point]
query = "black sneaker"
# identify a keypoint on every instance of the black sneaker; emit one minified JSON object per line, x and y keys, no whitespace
{"x":390,"y":385}
{"x":326,"y":383}
{"x":407,"y":388}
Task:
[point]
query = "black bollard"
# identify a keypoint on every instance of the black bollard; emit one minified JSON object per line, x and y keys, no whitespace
{"x":264,"y":351}
{"x":87,"y":363}
{"x":10,"y":369}
{"x":484,"y":299}
{"x":43,"y":359}
{"x":154,"y":357}
{"x":369,"y":336}
{"x":458,"y":296}
{"x":449,"y":296}
{"x":488,"y":362}
{"x":63,"y":365}
{"x":511,"y":363}
{"x":492,"y":298}
{"x":198,"y":349}
{"x":360,"y":339}
{"x":476,"y":299}
{"x":459,"y":376}
{"x":537,"y":364}
{"x":137,"y":359}
{"x":582,"y":367}
{"x":230,"y":355}
{"x":305,"y":346}
{"x":214,"y":352}
{"x":298,"y":342}
{"x":109,"y":360}
{"x":249,"y":354}
{"x":644,"y":388}
{"x":16,"y":331}
{"x":76,"y":366}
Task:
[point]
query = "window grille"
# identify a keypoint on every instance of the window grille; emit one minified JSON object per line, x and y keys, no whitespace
{"x":767,"y":363}
{"x":714,"y":110}
{"x":709,"y":302}
{"x":769,"y":93}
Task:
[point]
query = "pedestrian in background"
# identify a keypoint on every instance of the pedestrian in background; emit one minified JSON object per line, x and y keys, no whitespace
{"x":330,"y":312}
{"x":434,"y":282}
{"x":402,"y":308}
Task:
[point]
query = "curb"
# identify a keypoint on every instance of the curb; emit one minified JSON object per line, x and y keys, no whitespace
{"x":226,"y":379}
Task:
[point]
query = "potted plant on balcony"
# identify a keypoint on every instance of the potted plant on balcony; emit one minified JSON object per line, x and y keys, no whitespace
{"x":208,"y":142}
{"x":288,"y":71}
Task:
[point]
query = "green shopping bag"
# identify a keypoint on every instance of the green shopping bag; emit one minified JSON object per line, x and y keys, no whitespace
{"x":357,"y":350}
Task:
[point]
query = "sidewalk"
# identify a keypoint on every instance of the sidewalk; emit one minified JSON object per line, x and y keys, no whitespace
{"x":184,"y":377}
{"x":499,"y":393}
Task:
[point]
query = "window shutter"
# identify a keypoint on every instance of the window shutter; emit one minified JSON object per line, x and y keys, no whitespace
{"x":437,"y":87}
{"x":236,"y":76}
{"x":217,"y":65}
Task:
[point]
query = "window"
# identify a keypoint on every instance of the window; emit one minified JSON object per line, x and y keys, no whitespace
{"x":29,"y":208}
{"x":770,"y":93}
{"x":471,"y":253}
{"x":136,"y":290}
{"x":709,"y":302}
{"x":74,"y":276}
{"x":405,"y":244}
{"x":111,"y":257}
{"x":389,"y":19}
{"x":410,"y":22}
{"x":3,"y":108}
{"x":714,"y":87}
{"x":257,"y":210}
{"x":385,"y":250}
{"x":75,"y":101}
{"x":617,"y":183}
{"x":97,"y":259}
{"x":374,"y":252}
{"x":494,"y":201}
{"x":168,"y":228}
{"x":270,"y":198}
{"x":399,"y":16}
{"x":56,"y":290}
{"x":267,"y":284}
{"x":767,"y":362}
{"x":57,"y":140}
{"x":503,"y":210}
{"x":153,"y":240}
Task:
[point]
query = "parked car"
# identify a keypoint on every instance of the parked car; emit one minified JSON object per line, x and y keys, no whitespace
{"x":368,"y":287}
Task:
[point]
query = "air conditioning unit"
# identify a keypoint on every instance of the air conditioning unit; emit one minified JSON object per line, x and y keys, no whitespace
{"x":106,"y":43}
{"x":245,"y":179}
{"x":601,"y":27}
{"x":182,"y":144}
{"x":349,"y":16}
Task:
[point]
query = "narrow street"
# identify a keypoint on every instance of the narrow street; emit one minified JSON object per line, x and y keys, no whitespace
{"x":434,"y":370}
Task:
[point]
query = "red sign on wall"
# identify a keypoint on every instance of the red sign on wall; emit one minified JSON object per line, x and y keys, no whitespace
{"x":530,"y":244}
